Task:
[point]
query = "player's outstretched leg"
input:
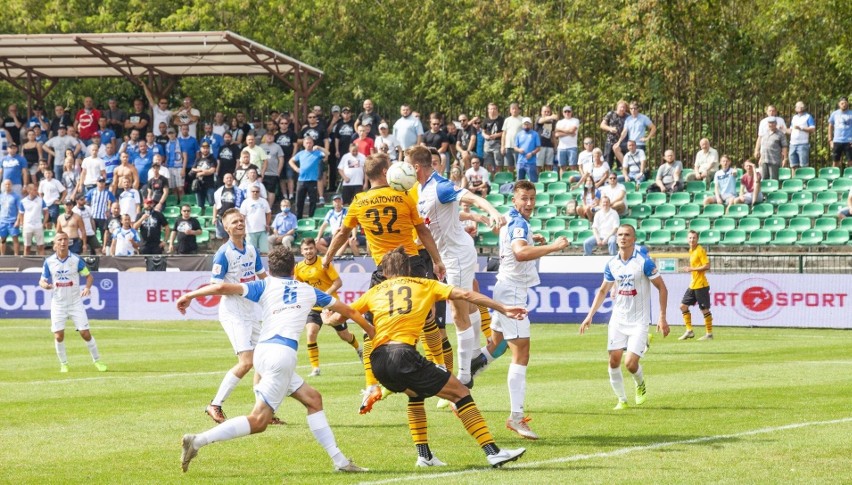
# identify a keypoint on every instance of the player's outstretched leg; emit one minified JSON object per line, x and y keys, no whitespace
{"x":93,"y":350}
{"x":616,"y":379}
{"x":417,"y":425}
{"x":373,"y":392}
{"x":635,"y":368}
{"x":229,"y":382}
{"x":687,"y":322}
{"x":708,"y":325}
{"x":61,"y":353}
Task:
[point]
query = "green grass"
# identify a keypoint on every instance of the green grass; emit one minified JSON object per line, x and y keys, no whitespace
{"x":705,"y":399}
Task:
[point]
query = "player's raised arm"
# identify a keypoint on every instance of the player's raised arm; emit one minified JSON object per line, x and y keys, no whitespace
{"x":337,"y":241}
{"x":209,"y":290}
{"x":346,"y":312}
{"x":600,"y":294}
{"x":497,"y":220}
{"x":516,"y":312}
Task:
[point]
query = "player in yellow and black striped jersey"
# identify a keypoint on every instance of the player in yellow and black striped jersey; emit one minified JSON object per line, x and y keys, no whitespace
{"x":698,"y":291}
{"x":399,"y":305}
{"x":311,"y":271}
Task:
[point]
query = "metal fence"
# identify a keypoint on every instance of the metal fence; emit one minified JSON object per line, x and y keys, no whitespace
{"x":787,"y":263}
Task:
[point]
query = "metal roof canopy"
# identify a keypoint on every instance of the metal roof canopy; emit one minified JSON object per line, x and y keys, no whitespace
{"x":154,"y":61}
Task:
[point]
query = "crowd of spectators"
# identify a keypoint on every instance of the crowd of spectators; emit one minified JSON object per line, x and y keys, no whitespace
{"x":141,"y":180}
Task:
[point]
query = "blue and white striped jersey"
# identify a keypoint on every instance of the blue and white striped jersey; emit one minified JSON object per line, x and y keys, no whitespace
{"x":632,"y":278}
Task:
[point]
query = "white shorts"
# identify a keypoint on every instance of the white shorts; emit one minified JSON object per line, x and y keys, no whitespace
{"x":276,"y":364}
{"x":460,"y":271}
{"x":59,"y":314}
{"x":242,"y":333}
{"x":509,"y":327}
{"x":175,"y":178}
{"x":33,"y":233}
{"x":633,"y":340}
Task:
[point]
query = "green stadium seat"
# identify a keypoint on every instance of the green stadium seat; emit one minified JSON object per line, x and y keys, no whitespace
{"x":195,"y":211}
{"x":787,"y":210}
{"x":539,"y":187}
{"x":724,"y":224}
{"x":767,"y":186}
{"x":664,"y":211}
{"x":686,"y":172}
{"x":501,"y":178}
{"x":49,"y":234}
{"x":488,"y":239}
{"x":709,"y":237}
{"x":793,"y":185}
{"x":829,"y":173}
{"x":546,"y":211}
{"x":320,"y":212}
{"x":832,"y":209}
{"x":799,"y":224}
{"x":559,"y":200}
{"x":504,"y":209}
{"x":826,"y":197}
{"x":836,"y":237}
{"x":713,"y":211}
{"x":679,"y":238}
{"x":678,"y":199}
{"x":846,"y":223}
{"x":811,"y":237}
{"x":813,"y":210}
{"x":763,"y":210}
{"x":629,"y":187}
{"x":569,"y":235}
{"x":759,"y":237}
{"x":171,"y":200}
{"x":689,"y":211}
{"x":536,"y":224}
{"x":557,"y":188}
{"x":631,"y":221}
{"x":305,"y":225}
{"x":650,"y":224}
{"x":583,"y":235}
{"x":643,"y":186}
{"x":675,"y":224}
{"x":202,"y":238}
{"x":842,"y":184}
{"x":654,"y":199}
{"x":733,"y":237}
{"x":784,"y":173}
{"x":738,"y":211}
{"x":659,"y":238}
{"x":817,"y":185}
{"x":640,"y":211}
{"x":774,"y":224}
{"x":641,"y":236}
{"x":496,"y":199}
{"x":847,"y":173}
{"x":801,"y":198}
{"x":777,"y":198}
{"x":172,"y":211}
{"x":542,"y":198}
{"x":805,"y":173}
{"x":749,"y":224}
{"x":578,"y":225}
{"x":566,"y":175}
{"x":634,"y":198}
{"x":699,"y":224}
{"x":548,"y":176}
{"x":543,"y":233}
{"x":825,"y":224}
{"x":555,"y":224}
{"x":784,"y":237}
{"x":695,"y":187}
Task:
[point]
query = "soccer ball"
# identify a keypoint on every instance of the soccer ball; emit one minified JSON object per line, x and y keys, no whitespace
{"x":401,"y":176}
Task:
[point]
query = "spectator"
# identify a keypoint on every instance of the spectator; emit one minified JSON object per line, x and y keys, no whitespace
{"x":545,"y":126}
{"x":86,"y":121}
{"x":613,"y":125}
{"x":113,"y":224}
{"x":668,"y":178}
{"x":319,"y":134}
{"x":219,"y":125}
{"x":107,"y":134}
{"x":366,"y":146}
{"x":252,"y":180}
{"x":331,"y":224}
{"x":243,"y":167}
{"x":125,"y":241}
{"x":160,"y":110}
{"x":150,"y":225}
{"x":457,"y":177}
{"x":436,"y":137}
{"x":633,"y":165}
{"x":215,"y":140}
{"x":274,"y":166}
{"x":725,"y":182}
{"x":38,"y":119}
{"x":351,"y":170}
{"x":61,"y":118}
{"x":604,"y":227}
{"x":589,"y":200}
{"x":258,"y":156}
{"x":844,"y":212}
{"x":284,"y":227}
{"x":56,"y":149}
{"x":92,"y":169}
{"x":763,"y":127}
{"x":125,"y":170}
{"x":162,"y":140}
{"x":228,"y":196}
{"x":131,"y":144}
{"x":89,"y":225}
{"x":188,"y":146}
{"x":750,"y":186}
{"x":13,"y":124}
{"x":616,"y":194}
{"x":407,"y":131}
{"x":158,"y":185}
{"x":138,"y":119}
{"x":258,"y":219}
{"x":236,"y":132}
{"x":477,"y":179}
{"x":465,"y":141}
{"x":600,"y":168}
{"x":638,"y":128}
{"x":202,"y":173}
{"x":38,"y":176}
{"x":187,"y":116}
{"x":492,"y":130}
{"x":32,"y":214}
{"x":773,"y":150}
{"x":386,"y":143}
{"x":176,"y":161}
{"x":143,"y":161}
{"x":369,"y":120}
{"x":110,"y":158}
{"x":70,"y":177}
{"x":566,"y":148}
{"x":706,"y":163}
{"x":307,"y":164}
{"x":286,"y":139}
{"x":801,"y":126}
{"x":185,"y":230}
{"x":342,"y":132}
{"x":72,"y":225}
{"x":469,"y":220}
{"x":526,"y":147}
{"x":129,"y":200}
{"x":840,"y":132}
{"x":229,"y":156}
{"x":13,"y":168}
{"x":32,"y":152}
{"x":53,"y":193}
{"x":512,"y":125}
{"x":244,"y":127}
{"x":585,"y":162}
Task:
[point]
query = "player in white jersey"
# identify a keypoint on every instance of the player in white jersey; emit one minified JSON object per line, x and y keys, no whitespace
{"x":632,"y":273}
{"x":438,"y":205}
{"x":61,"y":274}
{"x":236,"y":261}
{"x":285,"y":304}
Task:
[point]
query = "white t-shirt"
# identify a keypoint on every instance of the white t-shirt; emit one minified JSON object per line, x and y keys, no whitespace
{"x":50,"y":190}
{"x":606,"y":222}
{"x":800,"y":137}
{"x":599,"y":172}
{"x":93,"y":166}
{"x":353,"y":168}
{"x":763,"y":128}
{"x":160,"y":116}
{"x":246,"y":186}
{"x":568,"y":141}
{"x":613,"y":193}
{"x":511,"y":126}
{"x":633,"y":161}
{"x":390,"y":141}
{"x":475,"y":178}
{"x":586,"y":161}
{"x":123,"y":241}
{"x":33,"y":215}
{"x":129,"y":201}
{"x":255,"y":212}
{"x":185,"y":116}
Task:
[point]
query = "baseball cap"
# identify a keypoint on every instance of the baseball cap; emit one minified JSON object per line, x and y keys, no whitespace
{"x":566,"y":108}
{"x":526,"y":120}
{"x":149,"y":201}
{"x":170,"y":130}
{"x":62,"y":127}
{"x":383,"y":125}
{"x":346,"y":108}
{"x":205,"y":144}
{"x":71,"y":202}
{"x":12,"y":144}
{"x":337,"y":196}
{"x":335,"y":109}
{"x":101,"y":179}
{"x":81,"y":197}
{"x":772,"y":119}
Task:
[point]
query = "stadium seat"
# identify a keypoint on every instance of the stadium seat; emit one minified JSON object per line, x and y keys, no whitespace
{"x":695,"y":187}
{"x":641,"y":236}
{"x":629,"y":187}
{"x":577,"y":225}
{"x":678,"y":199}
{"x":763,"y":210}
{"x":767,"y":186}
{"x":793,"y":185}
{"x":733,"y":237}
{"x":559,"y":200}
{"x":847,"y":173}
{"x":675,"y":224}
{"x":817,"y":185}
{"x":539,"y":187}
{"x":548,"y":176}
{"x":805,"y":173}
{"x":846,"y":223}
{"x":699,"y":224}
{"x":713,"y":211}
{"x":664,"y":211}
{"x":759,"y":237}
{"x":305,"y":225}
{"x":543,"y":233}
{"x":799,"y":224}
{"x":689,"y":211}
{"x":640,"y":211}
{"x":569,"y":235}
{"x":784,"y":173}
{"x":488,"y":239}
{"x":650,"y":224}
{"x":832,"y":209}
{"x":813,"y":210}
{"x":836,"y":237}
{"x":784,"y":237}
{"x":171,"y":200}
{"x":203,"y":237}
{"x":172,"y":211}
{"x":659,"y":238}
{"x":826,"y":197}
{"x":195,"y":211}
{"x":501,"y":178}
{"x":829,"y":173}
{"x":738,"y":211}
{"x":724,"y":224}
{"x":49,"y":234}
{"x":679,"y":238}
{"x":631,"y":221}
{"x":583,"y":235}
{"x":643,"y":186}
{"x":777,"y":198}
{"x":504,"y":209}
{"x":774,"y":224}
{"x":685,"y":172}
{"x":749,"y":224}
{"x":536,"y":224}
{"x":566,"y":175}
{"x":801,"y":198}
{"x":634,"y":198}
{"x":546,"y":211}
{"x":811,"y":237}
{"x":842,"y":184}
{"x":555,"y":224}
{"x":655,"y":198}
{"x":557,"y":188}
{"x":542,"y":198}
{"x":825,"y":224}
{"x":709,"y":237}
{"x":496,"y":199}
{"x":787,"y":210}
{"x":320,"y":212}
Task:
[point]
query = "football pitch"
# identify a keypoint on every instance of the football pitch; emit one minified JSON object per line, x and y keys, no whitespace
{"x":752,"y":406}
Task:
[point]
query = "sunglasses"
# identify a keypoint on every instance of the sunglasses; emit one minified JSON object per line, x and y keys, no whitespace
{"x":587,"y":143}
{"x":184,"y":210}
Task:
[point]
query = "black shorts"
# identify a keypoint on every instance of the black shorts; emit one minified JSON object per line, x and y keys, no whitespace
{"x":699,"y":295}
{"x":270,"y":183}
{"x":418,"y":270}
{"x":399,"y":367}
{"x":839,"y":149}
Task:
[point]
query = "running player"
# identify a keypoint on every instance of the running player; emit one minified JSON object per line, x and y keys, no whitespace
{"x":311,"y":271}
{"x":61,"y":274}
{"x":699,"y":289}
{"x":236,"y":261}
{"x":399,"y":305}
{"x":632,"y":273}
{"x":286,"y":304}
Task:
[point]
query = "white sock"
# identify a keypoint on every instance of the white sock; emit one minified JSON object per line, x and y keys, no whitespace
{"x":93,"y":349}
{"x":60,"y":352}
{"x":638,"y":377}
{"x":228,"y":384}
{"x":230,"y":429}
{"x":488,"y":357}
{"x":466,"y":345}
{"x":616,"y":380}
{"x":475,"y":323}
{"x":517,"y":380}
{"x":325,"y":437}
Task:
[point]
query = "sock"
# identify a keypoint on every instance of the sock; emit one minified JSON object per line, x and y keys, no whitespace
{"x":687,"y":320}
{"x":485,"y":321}
{"x":228,"y":384}
{"x":313,"y":354}
{"x":325,"y":437}
{"x":354,"y":343}
{"x":431,"y":337}
{"x":708,"y":322}
{"x":475,"y":324}
{"x":466,"y":343}
{"x":638,"y":376}
{"x":500,"y":349}
{"x":517,"y":380}
{"x":488,"y":357}
{"x":616,"y":380}
{"x":60,"y":352}
{"x":369,"y":378}
{"x":448,"y":354}
{"x":230,"y":429}
{"x":417,"y":426}
{"x":93,"y":349}
{"x":473,"y":422}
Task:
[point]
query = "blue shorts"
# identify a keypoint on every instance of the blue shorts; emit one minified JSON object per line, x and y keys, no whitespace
{"x":800,"y":155}
{"x":8,"y":229}
{"x":567,"y":157}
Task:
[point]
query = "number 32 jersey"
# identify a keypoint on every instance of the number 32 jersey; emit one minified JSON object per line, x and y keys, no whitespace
{"x":388,"y":218}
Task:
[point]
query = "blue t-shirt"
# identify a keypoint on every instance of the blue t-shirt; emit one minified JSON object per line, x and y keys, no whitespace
{"x":9,"y":207}
{"x":284,"y":222}
{"x":13,"y":168}
{"x":726,"y":181}
{"x":216,"y":141}
{"x":527,"y":141}
{"x":842,"y":122}
{"x":309,"y":165}
{"x":189,"y":145}
{"x":143,"y":164}
{"x":636,"y":127}
{"x":107,"y":136}
{"x":110,"y":162}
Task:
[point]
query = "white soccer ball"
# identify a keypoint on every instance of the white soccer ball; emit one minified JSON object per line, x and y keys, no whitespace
{"x":401,"y":176}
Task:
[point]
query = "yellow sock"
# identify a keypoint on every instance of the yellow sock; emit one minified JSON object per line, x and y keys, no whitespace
{"x":369,"y":378}
{"x":485,"y":327}
{"x":448,"y":354}
{"x":473,"y":422}
{"x":354,"y":343}
{"x":313,"y":354}
{"x":417,"y":421}
{"x":687,"y":320}
{"x":708,"y":322}
{"x":431,"y":337}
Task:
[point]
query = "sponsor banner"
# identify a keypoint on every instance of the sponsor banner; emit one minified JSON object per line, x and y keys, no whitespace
{"x":22,"y":297}
{"x":768,"y":300}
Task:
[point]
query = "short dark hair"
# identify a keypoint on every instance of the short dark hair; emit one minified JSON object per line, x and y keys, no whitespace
{"x":524,"y":185}
{"x":395,"y":263}
{"x":309,"y":241}
{"x":375,"y":164}
{"x":630,"y":226}
{"x":281,"y":262}
{"x":420,"y":155}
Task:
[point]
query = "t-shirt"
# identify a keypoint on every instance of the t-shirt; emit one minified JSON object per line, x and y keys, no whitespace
{"x":666,"y":172}
{"x":51,"y":190}
{"x":512,"y":126}
{"x":545,"y":132}
{"x":388,"y":218}
{"x":93,"y":167}
{"x":137,"y":118}
{"x":317,"y":133}
{"x":334,"y":220}
{"x":586,"y":161}
{"x":800,"y":137}
{"x":612,"y":119}
{"x":240,"y":172}
{"x":286,"y":141}
{"x":87,"y":123}
{"x":343,"y":132}
{"x":186,"y":243}
{"x":13,"y":168}
{"x":353,"y":168}
{"x":406,"y":130}
{"x":842,"y":123}
{"x":33,"y":212}
{"x":365,"y":146}
{"x":228,"y":157}
{"x":435,"y":140}
{"x":567,"y":141}
{"x":477,"y":178}
{"x":633,"y":161}
{"x":184,"y":116}
{"x":390,"y":141}
{"x":371,"y":121}
{"x":763,"y":127}
{"x":151,"y":229}
{"x":255,"y":212}
{"x":526,"y":141}
{"x":698,"y":257}
{"x":309,"y":163}
{"x":317,"y":276}
{"x":606,"y":223}
{"x":158,"y":185}
{"x":493,"y":127}
{"x":205,"y":163}
{"x":124,"y":241}
{"x":129,"y":201}
{"x":726,"y":181}
{"x":274,"y":156}
{"x":613,"y":193}
{"x":636,"y":127}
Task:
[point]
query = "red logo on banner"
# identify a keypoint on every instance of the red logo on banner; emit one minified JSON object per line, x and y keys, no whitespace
{"x":760,"y":299}
{"x":757,"y":299}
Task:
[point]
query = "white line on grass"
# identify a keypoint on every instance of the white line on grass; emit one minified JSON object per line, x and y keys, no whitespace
{"x":141,"y":329}
{"x":618,"y":452}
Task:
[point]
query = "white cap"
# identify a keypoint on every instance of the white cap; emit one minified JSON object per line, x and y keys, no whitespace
{"x":526,"y":120}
